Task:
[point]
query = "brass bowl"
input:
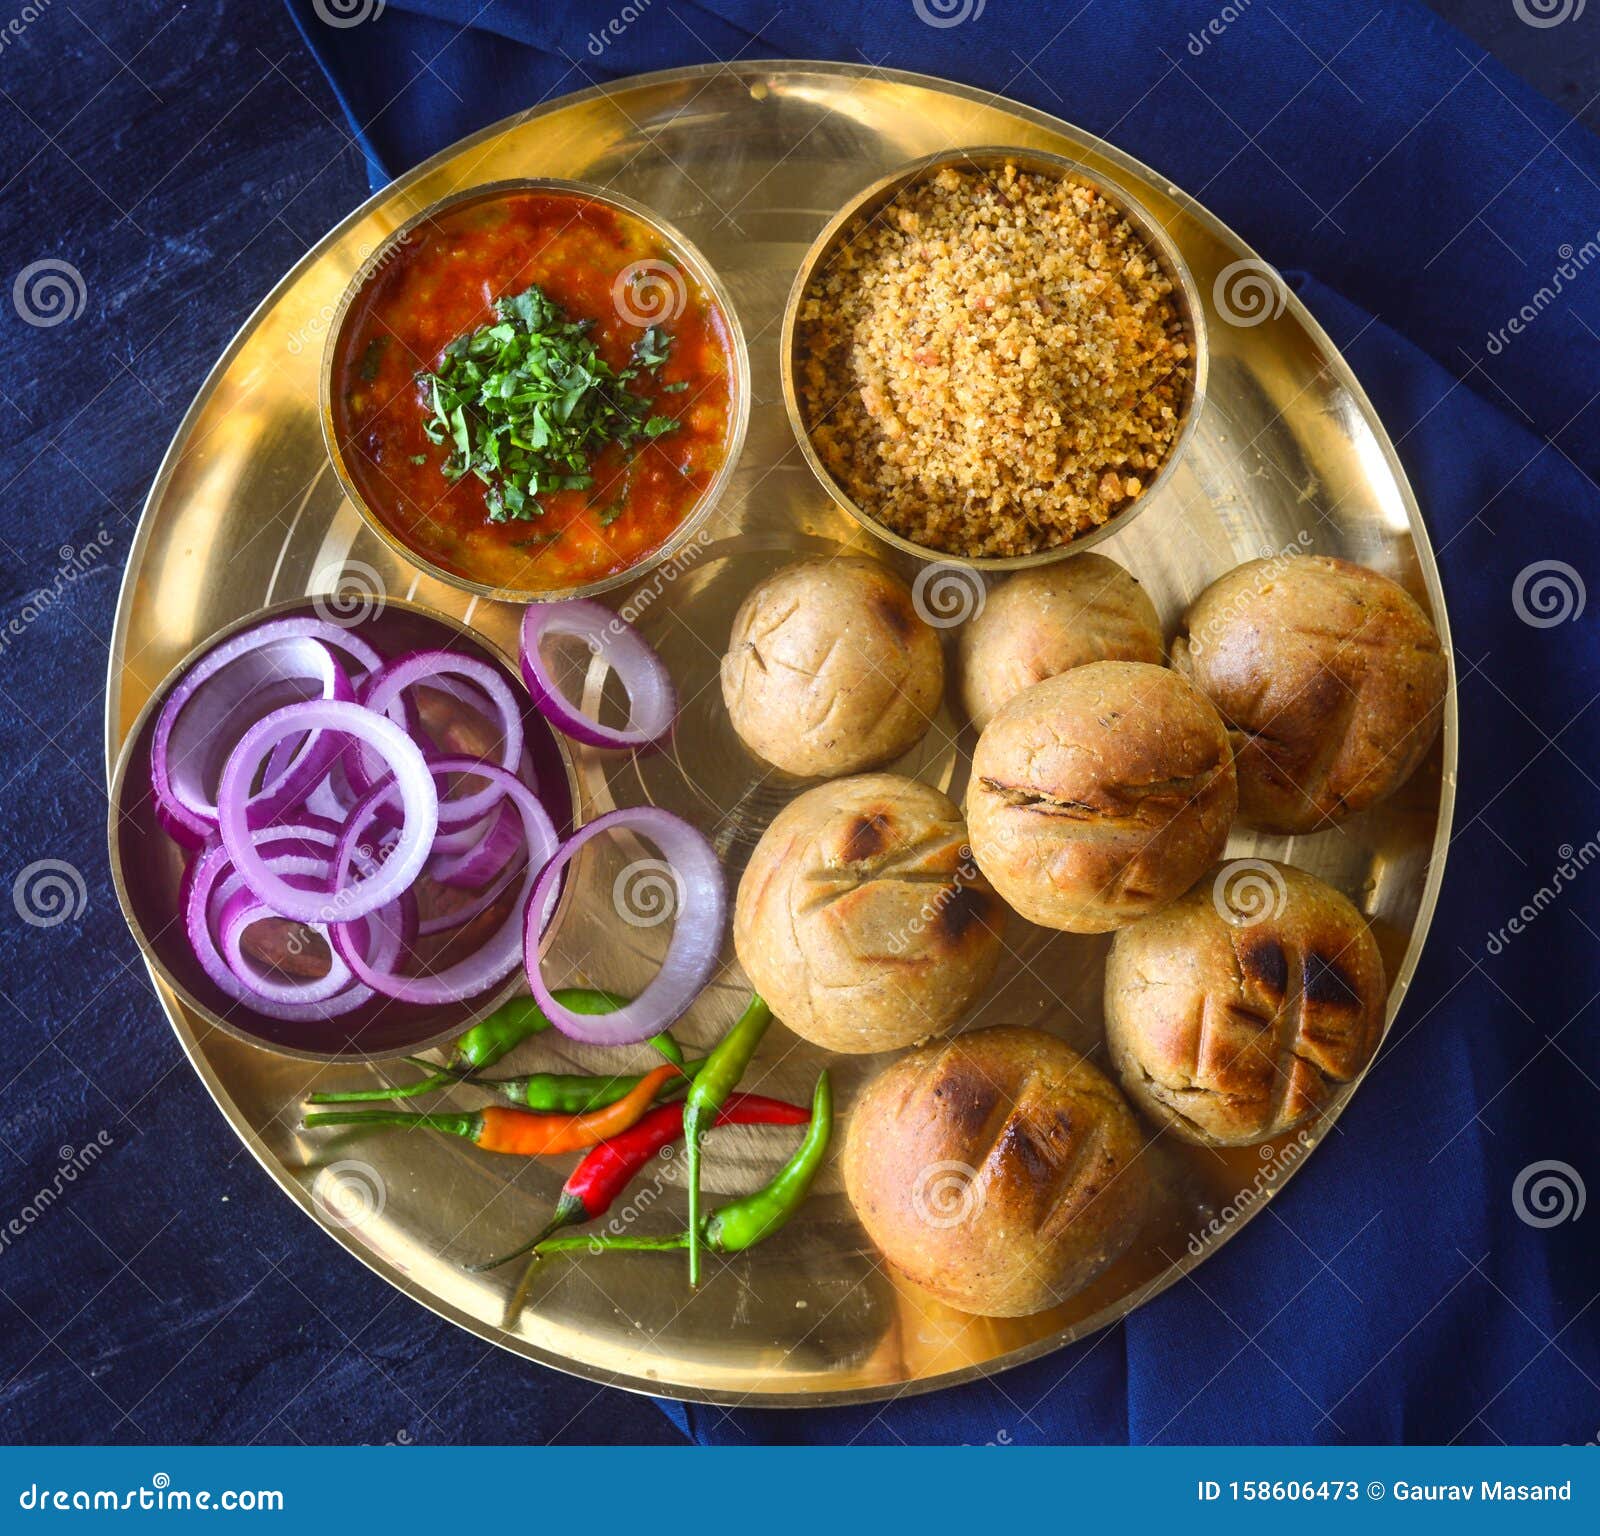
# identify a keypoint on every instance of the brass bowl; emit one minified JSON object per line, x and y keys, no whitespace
{"x":865,"y":206}
{"x":684,"y":255}
{"x":147,"y":865}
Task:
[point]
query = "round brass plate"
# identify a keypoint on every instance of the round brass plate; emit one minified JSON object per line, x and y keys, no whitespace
{"x":751,"y":160}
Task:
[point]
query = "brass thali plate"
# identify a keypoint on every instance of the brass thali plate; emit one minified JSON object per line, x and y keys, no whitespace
{"x":750,"y":160}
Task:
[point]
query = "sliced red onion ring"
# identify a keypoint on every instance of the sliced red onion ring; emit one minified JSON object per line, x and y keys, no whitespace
{"x":464,"y":837}
{"x":652,"y":700}
{"x":497,"y":957}
{"x":384,"y":691}
{"x":268,"y":726}
{"x":242,"y":911}
{"x":455,"y":838}
{"x":331,"y":796}
{"x":480,"y":863}
{"x":205,"y":877}
{"x":696,"y":934}
{"x":413,"y":783}
{"x":282,"y":656}
{"x":198,"y":721}
{"x":451,"y":840}
{"x":309,"y":838}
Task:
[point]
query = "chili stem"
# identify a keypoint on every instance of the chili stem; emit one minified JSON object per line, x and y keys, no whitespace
{"x":642,"y":1244}
{"x":469,"y":1126}
{"x":437,"y":1079}
{"x":555,"y":1224}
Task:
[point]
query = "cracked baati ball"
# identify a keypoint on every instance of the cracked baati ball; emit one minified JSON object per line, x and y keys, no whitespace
{"x":1100,"y":795}
{"x":830,"y":669}
{"x":1041,"y":623}
{"x":1331,"y":680}
{"x":1000,"y":1171}
{"x":861,"y":918}
{"x":1236,"y":1014}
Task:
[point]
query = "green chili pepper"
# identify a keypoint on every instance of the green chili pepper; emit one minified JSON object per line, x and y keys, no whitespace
{"x":719,"y":1076}
{"x":507,"y":1027}
{"x":515,"y":1021}
{"x":752,"y":1219}
{"x":491,"y":1038}
{"x":568,"y":1092}
{"x":744,"y":1222}
{"x":554,"y":1092}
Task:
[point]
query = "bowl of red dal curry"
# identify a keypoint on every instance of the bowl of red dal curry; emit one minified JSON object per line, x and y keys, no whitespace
{"x":535,"y":389}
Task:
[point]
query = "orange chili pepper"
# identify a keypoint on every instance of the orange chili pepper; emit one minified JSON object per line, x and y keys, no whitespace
{"x":527,"y":1134}
{"x":522,"y":1132}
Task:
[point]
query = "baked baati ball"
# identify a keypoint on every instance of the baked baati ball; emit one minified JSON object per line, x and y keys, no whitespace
{"x":830,"y":669}
{"x":1331,"y":680}
{"x":1043,"y":622}
{"x":1100,"y":795}
{"x":861,"y":918}
{"x":1235,"y":1014}
{"x":1000,"y":1170}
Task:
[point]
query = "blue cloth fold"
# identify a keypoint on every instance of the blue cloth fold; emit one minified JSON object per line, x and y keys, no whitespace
{"x":1428,"y":1279}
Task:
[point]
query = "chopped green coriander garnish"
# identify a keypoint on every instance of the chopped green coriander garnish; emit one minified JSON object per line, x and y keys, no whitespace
{"x":527,"y":403}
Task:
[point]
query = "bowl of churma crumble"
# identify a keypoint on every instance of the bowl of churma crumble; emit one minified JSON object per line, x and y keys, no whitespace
{"x":993,"y":359}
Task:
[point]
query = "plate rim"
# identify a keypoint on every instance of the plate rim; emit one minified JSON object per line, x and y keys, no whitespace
{"x":190,"y":1038}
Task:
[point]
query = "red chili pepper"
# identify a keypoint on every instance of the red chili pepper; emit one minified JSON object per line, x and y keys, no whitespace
{"x":607,"y":1169}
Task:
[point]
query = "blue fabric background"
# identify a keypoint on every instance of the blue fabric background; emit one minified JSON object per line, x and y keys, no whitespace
{"x":1417,"y":196}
